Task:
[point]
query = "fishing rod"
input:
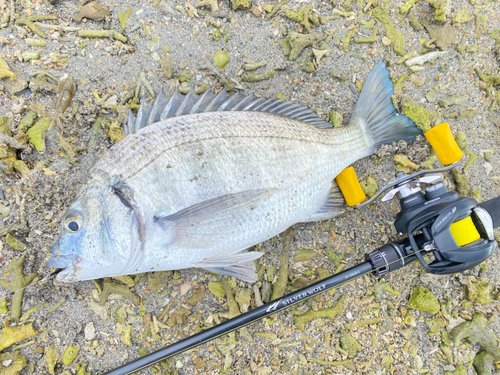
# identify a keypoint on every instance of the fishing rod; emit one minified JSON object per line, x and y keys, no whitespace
{"x":454,"y":234}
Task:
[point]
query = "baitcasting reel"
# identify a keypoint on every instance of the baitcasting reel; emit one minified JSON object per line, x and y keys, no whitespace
{"x":455,"y":230}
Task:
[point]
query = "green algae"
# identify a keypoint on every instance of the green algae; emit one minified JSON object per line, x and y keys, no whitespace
{"x":216,"y":288}
{"x":349,"y":343}
{"x":16,"y":285}
{"x":279,"y":287}
{"x":484,"y":363}
{"x":123,"y":17}
{"x":408,"y":5}
{"x":479,"y":289}
{"x":196,"y":295}
{"x":51,"y":358}
{"x":221,"y":59}
{"x":335,"y":258}
{"x":304,"y":255}
{"x":243,"y":298}
{"x":362,"y":323}
{"x":329,"y":312}
{"x":12,"y":334}
{"x":422,"y":299}
{"x":241,"y":4}
{"x":27,"y":121}
{"x":70,"y":354}
{"x":36,"y":134}
{"x":461,"y":17}
{"x":369,"y":187}
{"x":414,"y":22}
{"x":462,"y":182}
{"x":453,"y":100}
{"x":418,"y":114}
{"x":472,"y":159}
{"x":285,"y":46}
{"x":347,"y":363}
{"x":299,"y":41}
{"x":156,"y":280}
{"x":336,"y":118}
{"x":125,"y":332}
{"x":257,"y":77}
{"x":308,"y":66}
{"x":17,"y":363}
{"x":346,"y":39}
{"x":441,"y":10}
{"x":28,"y":313}
{"x":397,"y":39}
{"x":4,"y":309}
{"x":233,"y":309}
{"x":367,"y":40}
{"x":477,"y":332}
{"x":436,"y":325}
{"x":15,"y":243}
{"x":405,"y":162}
{"x":267,"y":335}
{"x":110,"y":287}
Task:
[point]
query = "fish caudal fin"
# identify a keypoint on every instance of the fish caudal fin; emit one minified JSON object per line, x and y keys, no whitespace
{"x":376,"y":111}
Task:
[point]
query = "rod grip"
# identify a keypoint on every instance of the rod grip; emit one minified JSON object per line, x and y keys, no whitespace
{"x":493,"y":208}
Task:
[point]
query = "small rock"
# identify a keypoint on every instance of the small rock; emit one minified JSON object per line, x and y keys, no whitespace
{"x":19,"y":107}
{"x":89,"y":332}
{"x":386,"y":41}
{"x":431,"y":96}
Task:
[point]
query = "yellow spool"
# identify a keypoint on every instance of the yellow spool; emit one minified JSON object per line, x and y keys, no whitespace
{"x":350,"y":187}
{"x":443,"y":142}
{"x":464,"y":231}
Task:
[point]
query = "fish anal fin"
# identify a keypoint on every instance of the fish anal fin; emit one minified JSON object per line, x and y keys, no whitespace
{"x":333,"y":206}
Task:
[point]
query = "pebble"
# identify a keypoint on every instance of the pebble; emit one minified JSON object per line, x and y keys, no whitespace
{"x":386,"y":41}
{"x":89,"y":331}
{"x":431,"y":96}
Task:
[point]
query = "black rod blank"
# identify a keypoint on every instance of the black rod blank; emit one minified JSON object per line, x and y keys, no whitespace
{"x":243,"y":320}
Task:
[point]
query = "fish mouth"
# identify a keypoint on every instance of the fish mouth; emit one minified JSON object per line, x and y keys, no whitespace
{"x":66,"y":265}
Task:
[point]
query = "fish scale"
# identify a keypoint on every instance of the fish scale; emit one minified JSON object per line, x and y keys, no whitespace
{"x":218,"y":175}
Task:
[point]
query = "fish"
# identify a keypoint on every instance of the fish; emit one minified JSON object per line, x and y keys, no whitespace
{"x":198,"y":180}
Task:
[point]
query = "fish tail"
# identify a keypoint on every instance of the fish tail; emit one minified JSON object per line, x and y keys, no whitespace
{"x":376,"y":113}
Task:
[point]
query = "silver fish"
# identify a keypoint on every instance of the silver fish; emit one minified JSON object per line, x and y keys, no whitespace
{"x":198,"y":180}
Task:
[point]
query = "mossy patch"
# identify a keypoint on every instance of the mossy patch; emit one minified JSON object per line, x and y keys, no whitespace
{"x":478,"y":289}
{"x":330,"y":312}
{"x":422,"y":299}
{"x":349,"y":343}
{"x":441,"y":9}
{"x":419,"y":115}
{"x":397,"y":39}
{"x":216,"y":289}
{"x":36,"y":134}
{"x":12,"y":334}
{"x":477,"y":332}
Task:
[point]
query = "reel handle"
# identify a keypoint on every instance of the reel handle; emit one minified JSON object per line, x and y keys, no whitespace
{"x":493,"y":208}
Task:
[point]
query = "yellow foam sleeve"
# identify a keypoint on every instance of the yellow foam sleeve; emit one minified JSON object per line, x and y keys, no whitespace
{"x":350,"y":187}
{"x":443,"y":142}
{"x":464,"y":231}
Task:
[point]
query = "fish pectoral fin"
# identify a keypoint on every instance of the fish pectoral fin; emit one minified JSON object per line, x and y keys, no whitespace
{"x":333,"y":206}
{"x":209,"y":222}
{"x":239,"y":265}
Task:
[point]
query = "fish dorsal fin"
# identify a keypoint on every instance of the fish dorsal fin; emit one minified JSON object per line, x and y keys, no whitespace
{"x":180,"y":105}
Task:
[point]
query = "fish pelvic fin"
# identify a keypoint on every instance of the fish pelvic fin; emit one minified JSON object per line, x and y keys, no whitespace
{"x":239,"y":265}
{"x":377,"y":114}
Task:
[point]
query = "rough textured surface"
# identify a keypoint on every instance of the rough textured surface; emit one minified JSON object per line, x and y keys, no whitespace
{"x":395,"y":337}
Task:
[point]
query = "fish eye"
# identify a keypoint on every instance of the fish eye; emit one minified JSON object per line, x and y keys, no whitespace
{"x":73,"y":221}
